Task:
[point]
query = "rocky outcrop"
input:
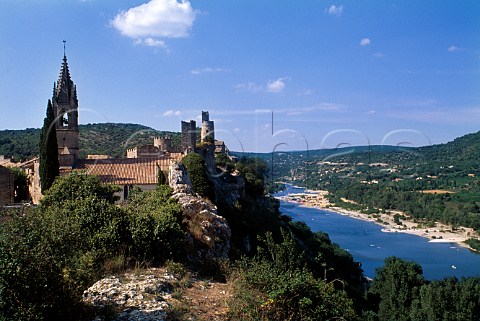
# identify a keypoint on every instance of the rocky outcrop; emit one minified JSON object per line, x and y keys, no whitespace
{"x":139,"y":297}
{"x":209,"y":232}
{"x":178,"y":179}
{"x":229,"y":188}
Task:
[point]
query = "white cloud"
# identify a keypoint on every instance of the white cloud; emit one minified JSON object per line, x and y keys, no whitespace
{"x":169,"y":113}
{"x":334,"y":10}
{"x":379,"y":54}
{"x":276,"y":86}
{"x":248,"y":86}
{"x":150,"y":42}
{"x":454,"y":48}
{"x":156,"y":19}
{"x":273,"y":86}
{"x":365,"y":42}
{"x":305,"y":92}
{"x":199,"y":71}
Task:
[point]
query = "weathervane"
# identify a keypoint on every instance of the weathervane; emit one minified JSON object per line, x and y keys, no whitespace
{"x":64,"y":41}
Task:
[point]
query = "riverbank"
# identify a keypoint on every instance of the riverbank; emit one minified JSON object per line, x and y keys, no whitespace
{"x":437,"y":233}
{"x":440,"y":233}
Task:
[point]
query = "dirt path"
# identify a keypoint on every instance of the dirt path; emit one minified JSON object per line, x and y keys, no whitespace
{"x":200,"y":300}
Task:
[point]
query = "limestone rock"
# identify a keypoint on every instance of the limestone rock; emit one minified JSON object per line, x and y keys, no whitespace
{"x":209,"y":232}
{"x":140,"y":297}
{"x":178,"y":179}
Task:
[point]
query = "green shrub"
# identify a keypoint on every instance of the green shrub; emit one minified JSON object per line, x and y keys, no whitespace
{"x":198,"y":175}
{"x":50,"y":255}
{"x":155,"y":223}
{"x":32,"y":286}
{"x":78,"y":185}
{"x":473,"y":243}
{"x":255,"y":172}
{"x":277,"y":286}
{"x":224,"y":162}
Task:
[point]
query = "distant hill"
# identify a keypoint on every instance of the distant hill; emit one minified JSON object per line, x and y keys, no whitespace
{"x":108,"y":138}
{"x":463,"y":152}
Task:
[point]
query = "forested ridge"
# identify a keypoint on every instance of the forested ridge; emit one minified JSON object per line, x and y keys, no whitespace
{"x":107,"y":138}
{"x":432,"y":183}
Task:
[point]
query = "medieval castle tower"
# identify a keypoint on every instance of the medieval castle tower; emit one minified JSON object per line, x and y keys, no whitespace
{"x":208,"y":130}
{"x":65,"y":107}
{"x":189,"y":136}
{"x":163,"y":143}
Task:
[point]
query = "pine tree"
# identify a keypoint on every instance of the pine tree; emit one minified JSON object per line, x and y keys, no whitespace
{"x":49,"y":166}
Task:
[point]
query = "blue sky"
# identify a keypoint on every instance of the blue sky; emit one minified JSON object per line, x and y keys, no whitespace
{"x":331,"y":72}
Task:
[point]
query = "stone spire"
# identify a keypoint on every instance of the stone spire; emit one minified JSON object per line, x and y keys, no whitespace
{"x":65,"y":101}
{"x":64,"y":89}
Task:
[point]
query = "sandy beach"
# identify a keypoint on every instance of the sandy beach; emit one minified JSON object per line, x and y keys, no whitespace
{"x":438,"y":233}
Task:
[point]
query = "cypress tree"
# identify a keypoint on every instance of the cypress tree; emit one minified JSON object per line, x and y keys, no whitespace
{"x":49,"y":166}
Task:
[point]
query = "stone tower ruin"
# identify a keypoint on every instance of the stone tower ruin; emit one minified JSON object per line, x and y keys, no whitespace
{"x":163,"y":143}
{"x":65,"y":107}
{"x":189,"y":136}
{"x":208,"y":130}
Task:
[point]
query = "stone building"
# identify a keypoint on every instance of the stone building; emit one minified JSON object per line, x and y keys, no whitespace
{"x":6,"y":161}
{"x":6,"y":186}
{"x":65,"y":107}
{"x":162,"y":146}
{"x":144,"y":151}
{"x":129,"y":172}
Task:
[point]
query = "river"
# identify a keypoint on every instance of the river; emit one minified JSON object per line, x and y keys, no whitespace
{"x":370,"y":246}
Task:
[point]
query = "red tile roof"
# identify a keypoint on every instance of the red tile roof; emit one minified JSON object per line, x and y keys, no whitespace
{"x":127,"y":171}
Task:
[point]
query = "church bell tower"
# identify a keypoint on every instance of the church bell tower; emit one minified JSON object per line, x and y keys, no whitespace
{"x":65,"y":107}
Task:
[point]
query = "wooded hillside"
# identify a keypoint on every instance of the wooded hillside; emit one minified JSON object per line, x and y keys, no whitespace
{"x":109,"y":138}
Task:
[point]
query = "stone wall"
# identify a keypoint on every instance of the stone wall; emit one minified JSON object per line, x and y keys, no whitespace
{"x":6,"y":186}
{"x":34,"y":182}
{"x":144,"y":151}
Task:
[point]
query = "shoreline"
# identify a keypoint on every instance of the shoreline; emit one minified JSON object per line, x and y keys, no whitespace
{"x":440,"y":233}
